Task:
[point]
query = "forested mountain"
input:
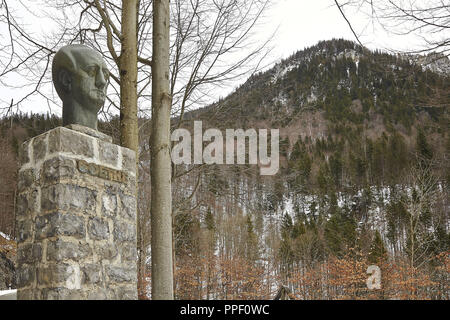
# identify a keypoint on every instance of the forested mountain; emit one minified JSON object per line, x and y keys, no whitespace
{"x":363,"y":180}
{"x":365,"y":142}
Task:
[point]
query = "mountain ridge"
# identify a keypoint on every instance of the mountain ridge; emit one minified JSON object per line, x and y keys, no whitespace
{"x":334,"y":87}
{"x":310,"y":75}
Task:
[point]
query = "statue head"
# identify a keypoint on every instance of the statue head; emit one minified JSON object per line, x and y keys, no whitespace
{"x":81,"y":77}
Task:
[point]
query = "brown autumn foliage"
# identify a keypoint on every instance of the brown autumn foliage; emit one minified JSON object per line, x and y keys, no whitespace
{"x":345,"y":278}
{"x":8,"y":247}
{"x":228,"y":278}
{"x":224,"y":278}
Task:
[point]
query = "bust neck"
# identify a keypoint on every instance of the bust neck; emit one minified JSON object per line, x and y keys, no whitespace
{"x":74,"y":113}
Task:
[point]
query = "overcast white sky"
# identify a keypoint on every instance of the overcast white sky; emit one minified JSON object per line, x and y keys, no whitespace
{"x":300,"y":23}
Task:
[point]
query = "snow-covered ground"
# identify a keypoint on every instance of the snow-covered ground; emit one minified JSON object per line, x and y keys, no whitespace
{"x":4,"y":236}
{"x":8,"y":294}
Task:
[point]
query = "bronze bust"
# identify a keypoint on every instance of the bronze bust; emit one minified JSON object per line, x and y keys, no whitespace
{"x":81,"y":77}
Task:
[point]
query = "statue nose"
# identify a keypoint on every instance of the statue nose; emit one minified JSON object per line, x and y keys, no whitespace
{"x":100,"y":80}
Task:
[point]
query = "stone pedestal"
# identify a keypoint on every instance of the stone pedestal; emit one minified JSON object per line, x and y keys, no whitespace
{"x":76,"y":212}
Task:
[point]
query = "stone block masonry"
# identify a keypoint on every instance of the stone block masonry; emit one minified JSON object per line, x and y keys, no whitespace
{"x":76,"y":211}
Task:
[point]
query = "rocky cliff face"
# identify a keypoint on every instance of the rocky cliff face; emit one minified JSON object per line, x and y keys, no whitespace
{"x":435,"y":62}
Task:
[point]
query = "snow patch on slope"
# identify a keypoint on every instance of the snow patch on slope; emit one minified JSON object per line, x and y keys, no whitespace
{"x":280,"y":71}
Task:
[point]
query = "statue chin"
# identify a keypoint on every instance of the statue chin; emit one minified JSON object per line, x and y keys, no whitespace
{"x":99,"y":99}
{"x":94,"y":103}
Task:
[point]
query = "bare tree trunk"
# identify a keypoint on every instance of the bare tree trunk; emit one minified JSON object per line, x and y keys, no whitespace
{"x":128,"y":76}
{"x":161,"y":201}
{"x":129,"y":134}
{"x":412,"y":239}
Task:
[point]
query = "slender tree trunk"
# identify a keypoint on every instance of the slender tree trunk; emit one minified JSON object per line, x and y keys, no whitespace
{"x":161,"y":202}
{"x":412,"y":240}
{"x":128,"y":76}
{"x":128,"y":111}
{"x":174,"y":258}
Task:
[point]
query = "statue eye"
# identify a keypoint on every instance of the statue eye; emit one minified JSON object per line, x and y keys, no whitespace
{"x":91,"y":71}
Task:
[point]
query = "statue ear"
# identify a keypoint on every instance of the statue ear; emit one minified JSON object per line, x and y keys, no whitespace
{"x":65,"y":79}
